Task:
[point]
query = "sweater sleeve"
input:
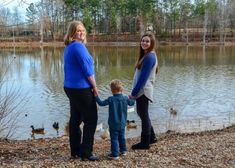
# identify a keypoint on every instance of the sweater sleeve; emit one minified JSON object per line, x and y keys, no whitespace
{"x":100,"y":102}
{"x":148,"y":64}
{"x":84,"y":59}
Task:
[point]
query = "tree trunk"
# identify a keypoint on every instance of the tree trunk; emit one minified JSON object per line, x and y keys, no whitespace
{"x":205,"y":27}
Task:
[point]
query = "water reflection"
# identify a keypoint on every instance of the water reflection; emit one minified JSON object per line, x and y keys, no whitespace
{"x":196,"y":81}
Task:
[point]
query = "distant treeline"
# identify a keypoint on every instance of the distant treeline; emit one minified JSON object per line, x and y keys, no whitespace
{"x":123,"y":20}
{"x":124,"y":37}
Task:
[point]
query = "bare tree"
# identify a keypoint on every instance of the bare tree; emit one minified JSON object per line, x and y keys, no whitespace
{"x":231,"y":17}
{"x":11,"y":105}
{"x":223,"y":13}
{"x":4,"y":21}
{"x":185,"y":9}
{"x":16,"y":17}
{"x":205,"y":26}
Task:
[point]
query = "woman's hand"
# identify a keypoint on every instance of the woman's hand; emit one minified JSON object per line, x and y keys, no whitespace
{"x":95,"y":91}
{"x":93,"y":84}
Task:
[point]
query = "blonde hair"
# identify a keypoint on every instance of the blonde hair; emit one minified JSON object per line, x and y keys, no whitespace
{"x":116,"y":85}
{"x":72,"y":28}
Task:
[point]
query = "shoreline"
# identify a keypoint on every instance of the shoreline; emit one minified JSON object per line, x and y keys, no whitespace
{"x":127,"y":44}
{"x":214,"y":148}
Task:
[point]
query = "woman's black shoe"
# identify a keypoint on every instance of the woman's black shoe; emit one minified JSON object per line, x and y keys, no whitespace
{"x":74,"y":157}
{"x":140,"y":146}
{"x":90,"y":158}
{"x":153,"y":141}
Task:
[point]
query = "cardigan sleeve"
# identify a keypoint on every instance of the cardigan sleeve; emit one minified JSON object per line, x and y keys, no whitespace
{"x":148,"y":64}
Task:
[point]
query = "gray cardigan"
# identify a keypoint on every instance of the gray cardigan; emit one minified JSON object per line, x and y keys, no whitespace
{"x":147,"y":89}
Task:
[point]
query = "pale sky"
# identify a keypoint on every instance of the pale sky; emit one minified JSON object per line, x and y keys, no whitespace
{"x":21,"y":4}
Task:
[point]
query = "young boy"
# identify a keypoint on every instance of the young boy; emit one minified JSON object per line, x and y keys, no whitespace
{"x":118,"y":104}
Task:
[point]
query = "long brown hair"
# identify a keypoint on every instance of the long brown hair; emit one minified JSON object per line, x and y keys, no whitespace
{"x":142,"y":53}
{"x":72,"y":28}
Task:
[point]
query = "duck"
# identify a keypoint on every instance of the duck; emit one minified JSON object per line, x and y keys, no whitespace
{"x":105,"y":134}
{"x":37,"y":130}
{"x":56,"y":126}
{"x":99,"y":127}
{"x":66,"y":129}
{"x":170,"y":132}
{"x":130,"y":121}
{"x":130,"y":110}
{"x":131,"y":124}
{"x":173,"y":111}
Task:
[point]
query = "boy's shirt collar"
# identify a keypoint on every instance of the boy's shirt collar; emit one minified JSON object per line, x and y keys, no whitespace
{"x":117,"y":94}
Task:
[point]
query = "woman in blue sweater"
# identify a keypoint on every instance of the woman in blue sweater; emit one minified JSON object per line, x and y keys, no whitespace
{"x":144,"y":79}
{"x":80,"y":87}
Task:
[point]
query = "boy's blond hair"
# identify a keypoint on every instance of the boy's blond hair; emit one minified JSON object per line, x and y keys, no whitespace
{"x":116,"y":86}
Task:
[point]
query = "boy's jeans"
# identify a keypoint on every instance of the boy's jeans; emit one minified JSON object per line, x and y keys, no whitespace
{"x":118,"y":141}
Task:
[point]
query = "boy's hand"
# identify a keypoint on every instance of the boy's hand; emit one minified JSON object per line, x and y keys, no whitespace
{"x":131,"y":97}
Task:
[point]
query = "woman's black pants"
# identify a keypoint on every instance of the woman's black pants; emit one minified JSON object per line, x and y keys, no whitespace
{"x":142,"y":105}
{"x":82,"y":109}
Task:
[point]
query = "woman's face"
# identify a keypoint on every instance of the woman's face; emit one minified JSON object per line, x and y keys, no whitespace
{"x":80,"y":33}
{"x":145,"y":42}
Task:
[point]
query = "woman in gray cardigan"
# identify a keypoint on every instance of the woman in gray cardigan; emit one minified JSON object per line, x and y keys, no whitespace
{"x":144,"y":78}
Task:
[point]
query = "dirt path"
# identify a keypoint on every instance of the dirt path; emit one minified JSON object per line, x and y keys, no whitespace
{"x":205,"y":149}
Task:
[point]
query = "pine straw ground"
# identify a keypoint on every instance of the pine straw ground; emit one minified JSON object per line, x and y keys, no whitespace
{"x":204,"y":149}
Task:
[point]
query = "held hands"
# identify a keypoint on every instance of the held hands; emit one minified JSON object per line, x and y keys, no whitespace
{"x":131,"y":97}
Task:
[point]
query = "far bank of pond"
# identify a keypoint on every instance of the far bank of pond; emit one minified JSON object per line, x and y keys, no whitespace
{"x":61,"y":44}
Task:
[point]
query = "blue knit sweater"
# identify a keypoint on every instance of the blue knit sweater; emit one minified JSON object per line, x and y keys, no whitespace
{"x":78,"y":66}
